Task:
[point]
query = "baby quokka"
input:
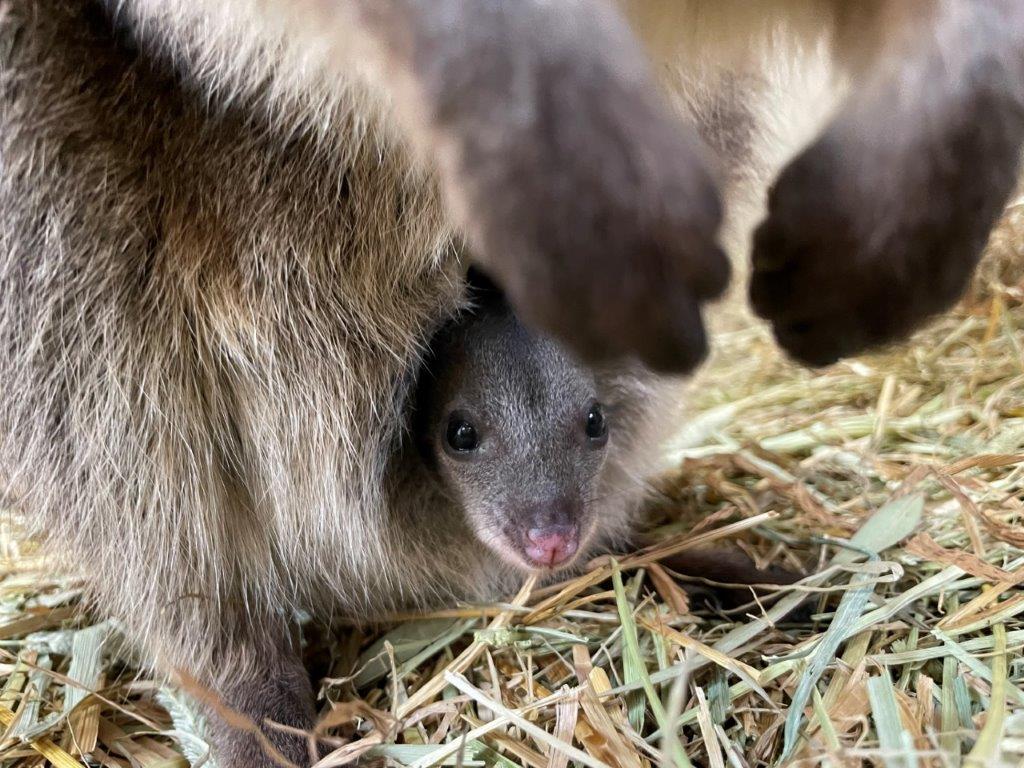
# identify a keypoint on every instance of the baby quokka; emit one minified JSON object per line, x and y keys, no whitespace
{"x":535,"y":460}
{"x":544,"y":455}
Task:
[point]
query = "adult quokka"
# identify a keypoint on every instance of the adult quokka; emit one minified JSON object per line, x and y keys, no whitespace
{"x":223,"y":249}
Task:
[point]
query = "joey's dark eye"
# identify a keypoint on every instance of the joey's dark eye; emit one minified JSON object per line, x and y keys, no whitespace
{"x":597,"y":425}
{"x":461,"y":435}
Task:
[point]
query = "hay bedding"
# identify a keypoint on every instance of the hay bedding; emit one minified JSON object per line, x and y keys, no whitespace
{"x":896,"y":480}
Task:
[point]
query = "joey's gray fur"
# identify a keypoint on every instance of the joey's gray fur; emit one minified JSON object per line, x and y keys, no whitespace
{"x":534,"y":466}
{"x":225,"y":241}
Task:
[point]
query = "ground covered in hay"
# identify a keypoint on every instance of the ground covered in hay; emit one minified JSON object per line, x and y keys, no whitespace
{"x":894,"y":482}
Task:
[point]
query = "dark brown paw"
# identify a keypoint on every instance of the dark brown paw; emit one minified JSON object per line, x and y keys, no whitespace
{"x":610,"y":255}
{"x":880,"y":224}
{"x":836,"y":276}
{"x":615,"y":264}
{"x":727,"y":565}
{"x":726,"y":576}
{"x":241,"y":715}
{"x":597,"y":215}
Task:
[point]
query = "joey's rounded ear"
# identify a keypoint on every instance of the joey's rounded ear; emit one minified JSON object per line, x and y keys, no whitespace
{"x":483,"y":291}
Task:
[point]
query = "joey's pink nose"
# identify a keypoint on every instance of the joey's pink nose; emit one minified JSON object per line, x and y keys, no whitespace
{"x":553,"y":545}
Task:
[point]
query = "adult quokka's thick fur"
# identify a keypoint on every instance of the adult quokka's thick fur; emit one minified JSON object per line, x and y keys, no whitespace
{"x":219,"y":261}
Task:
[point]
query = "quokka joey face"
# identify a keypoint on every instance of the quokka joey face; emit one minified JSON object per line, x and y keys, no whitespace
{"x":518,"y":436}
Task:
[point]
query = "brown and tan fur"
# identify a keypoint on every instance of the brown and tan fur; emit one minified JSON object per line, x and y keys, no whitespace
{"x":223,"y":248}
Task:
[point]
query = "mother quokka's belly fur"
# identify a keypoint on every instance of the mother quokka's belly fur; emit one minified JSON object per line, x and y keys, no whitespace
{"x":210,"y":322}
